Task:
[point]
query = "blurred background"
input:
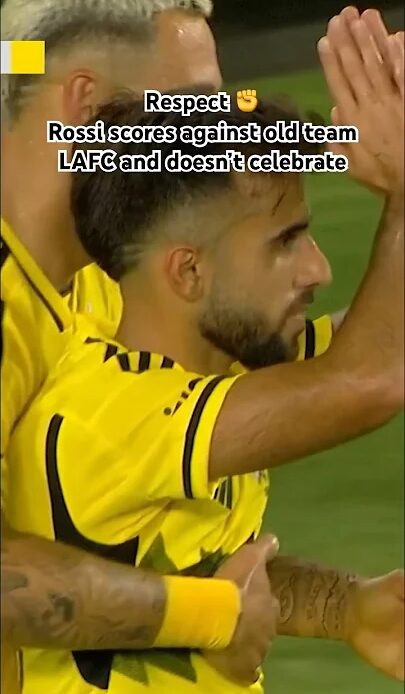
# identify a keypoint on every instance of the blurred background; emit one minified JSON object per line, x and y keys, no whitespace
{"x":258,"y":38}
{"x":345,"y":507}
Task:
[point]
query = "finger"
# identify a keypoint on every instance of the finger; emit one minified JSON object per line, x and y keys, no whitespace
{"x":378,"y":31}
{"x":260,"y":554}
{"x":397,"y":61}
{"x":348,"y":52}
{"x":265,"y":548}
{"x":378,"y":72}
{"x":350,"y":14}
{"x":337,"y":84}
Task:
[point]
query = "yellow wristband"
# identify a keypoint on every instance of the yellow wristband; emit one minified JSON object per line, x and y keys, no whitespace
{"x":200,"y":613}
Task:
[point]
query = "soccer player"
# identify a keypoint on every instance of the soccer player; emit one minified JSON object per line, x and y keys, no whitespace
{"x":53,"y":595}
{"x":177,"y":448}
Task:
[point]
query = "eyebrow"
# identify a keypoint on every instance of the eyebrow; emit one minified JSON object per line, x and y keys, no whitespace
{"x":297,"y":226}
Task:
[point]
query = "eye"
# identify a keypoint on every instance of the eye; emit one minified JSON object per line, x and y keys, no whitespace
{"x":288,"y":238}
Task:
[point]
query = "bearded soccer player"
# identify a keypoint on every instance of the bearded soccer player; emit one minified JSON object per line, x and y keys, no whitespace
{"x":177,"y":447}
{"x":53,"y":595}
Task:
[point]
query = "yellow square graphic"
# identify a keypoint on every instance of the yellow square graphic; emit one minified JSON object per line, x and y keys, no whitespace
{"x":27,"y":57}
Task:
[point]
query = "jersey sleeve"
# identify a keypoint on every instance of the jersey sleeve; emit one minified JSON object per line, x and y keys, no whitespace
{"x":147,"y":442}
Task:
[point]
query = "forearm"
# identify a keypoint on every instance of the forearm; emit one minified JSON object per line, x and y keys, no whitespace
{"x":375,"y":322}
{"x":54,"y":596}
{"x":313,"y":600}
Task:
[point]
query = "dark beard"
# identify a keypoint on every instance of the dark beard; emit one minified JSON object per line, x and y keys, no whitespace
{"x":244,"y":339}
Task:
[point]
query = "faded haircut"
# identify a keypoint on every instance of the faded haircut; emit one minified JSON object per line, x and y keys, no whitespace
{"x":119,"y":215}
{"x":65,"y":24}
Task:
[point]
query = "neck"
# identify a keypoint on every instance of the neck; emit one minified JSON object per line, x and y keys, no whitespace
{"x":149,"y":326}
{"x":35,"y":203}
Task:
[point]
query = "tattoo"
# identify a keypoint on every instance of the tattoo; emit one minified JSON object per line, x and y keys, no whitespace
{"x":12,"y":580}
{"x":55,"y":596}
{"x":313,"y":600}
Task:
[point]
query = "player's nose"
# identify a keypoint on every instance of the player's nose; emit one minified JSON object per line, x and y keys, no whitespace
{"x":315,"y":270}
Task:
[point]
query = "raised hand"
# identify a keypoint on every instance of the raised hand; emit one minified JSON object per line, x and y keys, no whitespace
{"x":366,"y":94}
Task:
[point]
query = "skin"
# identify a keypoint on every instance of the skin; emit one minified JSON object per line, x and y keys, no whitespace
{"x":34,"y":571}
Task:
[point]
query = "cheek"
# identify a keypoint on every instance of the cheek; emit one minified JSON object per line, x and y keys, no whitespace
{"x":277,"y":282}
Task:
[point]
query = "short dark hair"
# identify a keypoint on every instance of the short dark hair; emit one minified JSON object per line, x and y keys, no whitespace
{"x":114,"y":211}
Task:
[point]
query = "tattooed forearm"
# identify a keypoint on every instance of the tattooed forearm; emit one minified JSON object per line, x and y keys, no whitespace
{"x":54,"y":596}
{"x":313,"y":600}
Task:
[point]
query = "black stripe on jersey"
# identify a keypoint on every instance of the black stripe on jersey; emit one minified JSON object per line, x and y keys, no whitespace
{"x":92,"y":340}
{"x":144,"y":361}
{"x":229,"y":495}
{"x":111,"y":351}
{"x":53,"y":313}
{"x":309,"y":339}
{"x":222,"y":493}
{"x":94,"y":666}
{"x":167,"y":363}
{"x":123,"y":361}
{"x":5,"y":251}
{"x":191,"y":432}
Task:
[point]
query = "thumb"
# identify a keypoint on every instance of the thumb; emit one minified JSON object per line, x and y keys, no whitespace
{"x":262,"y":552}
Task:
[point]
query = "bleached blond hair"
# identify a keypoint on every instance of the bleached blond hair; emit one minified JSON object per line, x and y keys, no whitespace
{"x":65,"y":24}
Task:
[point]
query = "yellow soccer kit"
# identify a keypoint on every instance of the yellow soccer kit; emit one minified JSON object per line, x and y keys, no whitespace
{"x":35,"y":324}
{"x":97,"y":297}
{"x":119,"y":445}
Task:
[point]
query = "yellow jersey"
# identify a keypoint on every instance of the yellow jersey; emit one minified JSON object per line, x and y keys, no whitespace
{"x":97,"y":297}
{"x":118,"y":448}
{"x":35,"y":325}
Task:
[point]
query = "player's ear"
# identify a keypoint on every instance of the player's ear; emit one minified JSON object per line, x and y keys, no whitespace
{"x":81,"y":97}
{"x":183,"y":270}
